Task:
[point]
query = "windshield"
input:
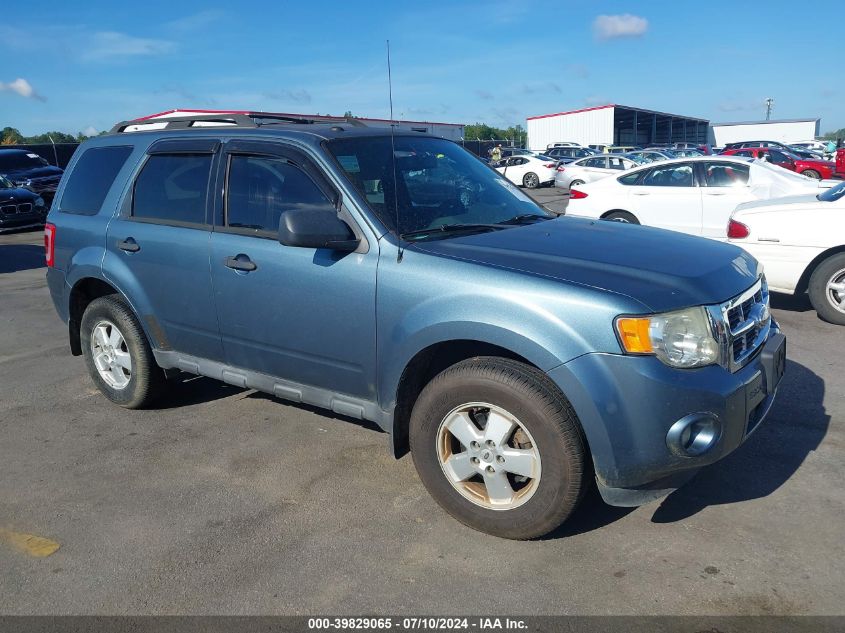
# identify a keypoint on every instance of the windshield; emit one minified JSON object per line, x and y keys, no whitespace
{"x":5,"y":183}
{"x":438,"y":183}
{"x":833,"y":194}
{"x":18,"y":160}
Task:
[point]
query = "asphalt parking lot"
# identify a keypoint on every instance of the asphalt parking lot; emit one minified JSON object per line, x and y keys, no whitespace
{"x":225,"y":501}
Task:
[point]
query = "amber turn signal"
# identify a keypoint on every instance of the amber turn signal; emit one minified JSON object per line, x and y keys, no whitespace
{"x":633,"y":332}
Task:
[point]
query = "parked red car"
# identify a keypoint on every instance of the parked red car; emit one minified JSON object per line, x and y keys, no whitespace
{"x":840,"y":163}
{"x":813,"y":168}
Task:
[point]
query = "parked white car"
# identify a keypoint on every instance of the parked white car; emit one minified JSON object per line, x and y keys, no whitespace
{"x":690,"y":195}
{"x":527,"y":171}
{"x":800,"y":240}
{"x":591,"y":169}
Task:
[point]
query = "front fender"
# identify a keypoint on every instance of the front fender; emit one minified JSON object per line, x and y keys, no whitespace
{"x":426,"y":300}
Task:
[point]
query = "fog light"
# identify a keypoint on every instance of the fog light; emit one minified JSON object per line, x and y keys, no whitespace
{"x":694,"y":435}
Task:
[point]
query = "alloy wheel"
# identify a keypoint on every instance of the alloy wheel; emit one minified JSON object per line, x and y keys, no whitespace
{"x":836,"y":290}
{"x":111,"y":355}
{"x":488,"y":456}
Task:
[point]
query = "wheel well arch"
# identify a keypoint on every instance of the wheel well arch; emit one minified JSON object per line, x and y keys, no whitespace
{"x":804,"y":280}
{"x":83,"y":292}
{"x":424,"y":366}
{"x":607,"y":213}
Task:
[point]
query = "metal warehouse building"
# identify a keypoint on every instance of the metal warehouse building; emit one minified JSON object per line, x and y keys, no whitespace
{"x":615,"y":125}
{"x":784,"y":130}
{"x":451,"y":131}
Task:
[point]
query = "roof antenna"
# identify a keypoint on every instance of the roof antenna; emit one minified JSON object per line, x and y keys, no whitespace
{"x":393,"y":157}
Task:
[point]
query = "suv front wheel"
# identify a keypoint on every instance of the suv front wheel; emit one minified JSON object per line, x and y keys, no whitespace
{"x":499,"y":448}
{"x":117,"y":354}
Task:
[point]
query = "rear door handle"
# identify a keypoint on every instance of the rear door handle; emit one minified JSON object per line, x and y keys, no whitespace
{"x":129,"y":245}
{"x":714,"y":193}
{"x":641,"y":193}
{"x":240,"y":262}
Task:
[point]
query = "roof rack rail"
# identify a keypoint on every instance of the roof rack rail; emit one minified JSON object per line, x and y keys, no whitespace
{"x":235,"y":119}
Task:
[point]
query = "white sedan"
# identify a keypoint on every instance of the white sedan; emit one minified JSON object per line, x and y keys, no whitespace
{"x":690,"y":195}
{"x":590,"y":169}
{"x":527,"y":171}
{"x":800,"y":240}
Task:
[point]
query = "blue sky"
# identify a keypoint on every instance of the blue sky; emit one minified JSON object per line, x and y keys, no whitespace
{"x":81,"y":66}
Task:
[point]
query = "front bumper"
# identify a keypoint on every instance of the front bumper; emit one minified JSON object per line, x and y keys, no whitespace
{"x":627,"y":404}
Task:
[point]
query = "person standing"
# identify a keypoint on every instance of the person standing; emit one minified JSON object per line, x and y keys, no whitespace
{"x":496,"y":154}
{"x":831,"y":147}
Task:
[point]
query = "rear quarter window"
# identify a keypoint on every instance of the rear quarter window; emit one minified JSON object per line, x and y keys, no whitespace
{"x":91,"y":178}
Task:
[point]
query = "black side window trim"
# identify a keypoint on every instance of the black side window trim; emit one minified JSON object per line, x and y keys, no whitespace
{"x":185,"y":146}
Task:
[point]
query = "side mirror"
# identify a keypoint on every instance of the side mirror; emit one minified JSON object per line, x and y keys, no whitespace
{"x":316,"y":228}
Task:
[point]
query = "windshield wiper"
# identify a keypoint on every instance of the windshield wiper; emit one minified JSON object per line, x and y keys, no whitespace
{"x":521,"y":219}
{"x":452,"y":228}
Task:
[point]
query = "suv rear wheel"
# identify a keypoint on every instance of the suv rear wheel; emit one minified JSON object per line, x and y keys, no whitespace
{"x":117,"y":354}
{"x":499,"y":448}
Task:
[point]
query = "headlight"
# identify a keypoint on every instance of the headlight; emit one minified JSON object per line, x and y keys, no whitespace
{"x":679,"y":339}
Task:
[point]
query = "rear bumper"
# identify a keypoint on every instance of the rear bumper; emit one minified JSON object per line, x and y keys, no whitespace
{"x":58,"y":292}
{"x":627,"y":404}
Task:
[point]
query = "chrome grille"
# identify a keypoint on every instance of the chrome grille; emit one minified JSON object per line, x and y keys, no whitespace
{"x":746,"y":321}
{"x":12,"y":209}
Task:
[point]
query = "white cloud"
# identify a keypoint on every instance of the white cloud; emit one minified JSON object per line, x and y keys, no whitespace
{"x":608,"y":27}
{"x":107,"y":45}
{"x":195,"y":22}
{"x":23,"y":88}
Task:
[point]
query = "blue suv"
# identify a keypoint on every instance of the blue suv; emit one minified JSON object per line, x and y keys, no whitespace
{"x":393,"y":277}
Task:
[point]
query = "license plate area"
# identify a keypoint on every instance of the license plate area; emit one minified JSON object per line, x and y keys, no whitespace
{"x":773,"y":360}
{"x":765,"y":382}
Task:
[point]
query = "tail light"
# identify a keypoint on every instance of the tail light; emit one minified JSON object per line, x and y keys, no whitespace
{"x":561,"y":168}
{"x":737,"y":230}
{"x":575,"y":194}
{"x":50,"y":244}
{"x":550,"y":165}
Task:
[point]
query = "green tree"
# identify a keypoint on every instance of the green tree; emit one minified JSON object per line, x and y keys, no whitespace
{"x":840,"y":133}
{"x":10,"y":136}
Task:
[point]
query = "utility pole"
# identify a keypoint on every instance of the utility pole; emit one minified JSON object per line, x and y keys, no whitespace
{"x":769,"y":103}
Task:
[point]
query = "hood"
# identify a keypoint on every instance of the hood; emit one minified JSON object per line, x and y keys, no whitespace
{"x":17,"y":194}
{"x":803,"y":198}
{"x":33,"y":172}
{"x":663,"y":270}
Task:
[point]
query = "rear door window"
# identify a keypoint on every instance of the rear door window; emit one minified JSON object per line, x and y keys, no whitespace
{"x":91,"y":179}
{"x":725,"y":175}
{"x":172,"y":189}
{"x":669,"y":176}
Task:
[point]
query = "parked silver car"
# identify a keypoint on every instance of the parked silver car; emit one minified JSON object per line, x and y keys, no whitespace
{"x":589,"y":169}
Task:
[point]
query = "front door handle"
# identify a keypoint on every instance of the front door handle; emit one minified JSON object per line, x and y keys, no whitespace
{"x":714,"y":193}
{"x":641,"y":193}
{"x":240,"y":262}
{"x":129,"y":245}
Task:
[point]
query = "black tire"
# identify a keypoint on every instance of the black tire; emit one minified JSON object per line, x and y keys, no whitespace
{"x":575,"y":183}
{"x":831,"y":270}
{"x":530,"y":180}
{"x":811,"y":173}
{"x":146,"y":381}
{"x":540,"y":408}
{"x":621,"y":216}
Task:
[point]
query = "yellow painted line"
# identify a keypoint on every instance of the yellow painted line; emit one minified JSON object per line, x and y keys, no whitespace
{"x":31,"y":544}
